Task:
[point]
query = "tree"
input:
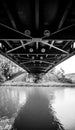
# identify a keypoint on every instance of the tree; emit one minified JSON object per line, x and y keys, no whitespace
{"x":6,"y":70}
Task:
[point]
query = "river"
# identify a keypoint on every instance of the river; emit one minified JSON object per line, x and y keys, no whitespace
{"x":37,"y":108}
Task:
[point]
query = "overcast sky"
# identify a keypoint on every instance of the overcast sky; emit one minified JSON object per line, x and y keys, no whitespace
{"x":68,"y":66}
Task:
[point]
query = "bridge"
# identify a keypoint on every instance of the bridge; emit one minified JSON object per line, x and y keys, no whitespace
{"x":37,"y":35}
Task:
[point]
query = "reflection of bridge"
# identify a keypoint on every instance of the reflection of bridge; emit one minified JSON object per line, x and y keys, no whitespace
{"x":37,"y":43}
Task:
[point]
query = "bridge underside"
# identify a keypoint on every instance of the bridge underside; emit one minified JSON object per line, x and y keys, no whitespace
{"x":39,"y":35}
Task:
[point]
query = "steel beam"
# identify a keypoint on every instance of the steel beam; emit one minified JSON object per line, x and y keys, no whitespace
{"x":19,"y":47}
{"x":9,"y":15}
{"x":7,"y":32}
{"x":8,"y":44}
{"x":36,"y":61}
{"x":65,"y":14}
{"x":54,"y":47}
{"x":22,"y":44}
{"x":66,"y":33}
{"x":67,"y":43}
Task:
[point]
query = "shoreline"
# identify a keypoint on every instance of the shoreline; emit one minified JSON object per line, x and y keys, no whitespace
{"x":35,"y":84}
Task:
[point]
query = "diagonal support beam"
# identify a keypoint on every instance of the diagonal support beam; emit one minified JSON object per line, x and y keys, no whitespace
{"x":52,"y":43}
{"x":7,"y":32}
{"x":54,"y":47}
{"x":22,"y":44}
{"x":63,"y":29}
{"x":9,"y":15}
{"x":67,"y":43}
{"x":8,"y":44}
{"x":64,"y":33}
{"x":59,"y":49}
{"x":65,"y":14}
{"x":19,"y":47}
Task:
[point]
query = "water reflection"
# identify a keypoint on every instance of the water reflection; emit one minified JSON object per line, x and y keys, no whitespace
{"x":37,"y":112}
{"x":11,"y":100}
{"x":36,"y":108}
{"x":64,"y":105}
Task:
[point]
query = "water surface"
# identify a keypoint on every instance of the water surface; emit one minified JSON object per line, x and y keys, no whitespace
{"x":37,"y":108}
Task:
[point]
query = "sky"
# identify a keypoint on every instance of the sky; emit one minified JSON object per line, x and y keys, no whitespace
{"x":68,"y":66}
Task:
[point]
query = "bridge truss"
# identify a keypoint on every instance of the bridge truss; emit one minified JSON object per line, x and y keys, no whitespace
{"x":33,"y":37}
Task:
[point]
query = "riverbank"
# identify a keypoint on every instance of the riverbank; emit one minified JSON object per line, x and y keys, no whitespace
{"x":20,"y":82}
{"x":23,"y":84}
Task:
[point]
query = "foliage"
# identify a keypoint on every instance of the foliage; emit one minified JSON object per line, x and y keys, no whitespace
{"x":5,"y":72}
{"x":56,"y":76}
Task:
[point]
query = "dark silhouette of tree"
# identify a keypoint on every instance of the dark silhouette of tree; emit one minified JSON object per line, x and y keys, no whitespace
{"x":6,"y":70}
